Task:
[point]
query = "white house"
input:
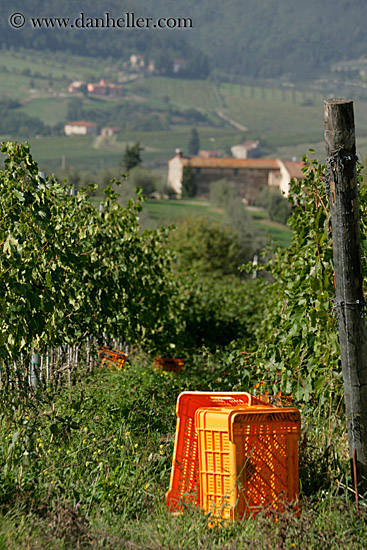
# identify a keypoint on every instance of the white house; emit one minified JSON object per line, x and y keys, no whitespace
{"x":80,"y":128}
{"x":75,"y":86}
{"x":109,"y":131}
{"x":246,"y":150}
{"x":137,"y":62}
{"x":282,"y":177}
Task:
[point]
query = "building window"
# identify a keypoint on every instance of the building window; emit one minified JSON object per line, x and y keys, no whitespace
{"x":235,"y":171}
{"x":197,"y":171}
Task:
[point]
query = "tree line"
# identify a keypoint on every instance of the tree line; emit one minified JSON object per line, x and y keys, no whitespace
{"x":270,"y":41}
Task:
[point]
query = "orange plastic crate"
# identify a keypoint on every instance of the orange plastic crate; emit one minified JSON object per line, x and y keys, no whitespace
{"x":184,"y":483}
{"x":112,"y":357}
{"x":169,"y":364}
{"x":248,"y":459}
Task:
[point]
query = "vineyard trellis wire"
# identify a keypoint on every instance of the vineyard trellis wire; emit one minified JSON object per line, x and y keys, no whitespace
{"x":55,"y":366}
{"x":68,"y":272}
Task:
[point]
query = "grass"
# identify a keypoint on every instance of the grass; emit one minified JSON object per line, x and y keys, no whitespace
{"x":165,"y":212}
{"x":99,"y":459}
{"x":197,"y":94}
{"x":49,"y":110}
{"x":319,"y":147}
{"x":16,"y":86}
{"x":64,"y":66}
{"x":268,"y":93}
{"x":281,"y":233}
{"x":162,"y":212}
{"x":165,"y":142}
{"x":271,"y":118}
{"x":78,"y":152}
{"x":276,"y":231}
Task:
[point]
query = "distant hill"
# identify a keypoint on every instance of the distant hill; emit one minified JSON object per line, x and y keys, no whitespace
{"x":262,"y":38}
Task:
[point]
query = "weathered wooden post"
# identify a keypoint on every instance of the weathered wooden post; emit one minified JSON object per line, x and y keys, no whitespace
{"x":35,"y":369}
{"x":341,"y":161}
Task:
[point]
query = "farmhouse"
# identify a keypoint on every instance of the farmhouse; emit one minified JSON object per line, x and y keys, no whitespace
{"x":80,"y":128}
{"x":287,"y":171}
{"x":250,"y":175}
{"x":109,"y":131}
{"x":136,"y":62}
{"x":178,"y":65}
{"x":75,"y":86}
{"x":105,"y":87}
{"x":246,"y":150}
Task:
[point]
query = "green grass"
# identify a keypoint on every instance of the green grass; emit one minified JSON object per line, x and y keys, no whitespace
{"x":98,"y":103}
{"x":277,"y":231}
{"x":78,"y":152}
{"x":99,"y":464}
{"x":301,"y":149}
{"x":15,"y":86}
{"x":281,"y":233}
{"x":272,"y":118}
{"x":281,"y":94}
{"x":167,"y":141}
{"x":159,"y":147}
{"x":49,"y":110}
{"x":197,"y":94}
{"x":166,"y":212}
{"x":52,"y":110}
{"x":64,"y":66}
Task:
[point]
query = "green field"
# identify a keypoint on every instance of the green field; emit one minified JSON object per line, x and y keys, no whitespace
{"x":50,"y":110}
{"x":276,"y":120}
{"x":197,"y":94}
{"x":165,"y":212}
{"x":268,"y":93}
{"x":78,"y":152}
{"x":287,"y":121}
{"x":60,"y":65}
{"x":159,"y":147}
{"x":164,"y":143}
{"x":17,"y":86}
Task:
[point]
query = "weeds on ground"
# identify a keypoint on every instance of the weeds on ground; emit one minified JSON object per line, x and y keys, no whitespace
{"x":87,"y":466}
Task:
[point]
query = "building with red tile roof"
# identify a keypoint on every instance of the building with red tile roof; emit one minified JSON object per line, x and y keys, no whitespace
{"x":105,"y":87}
{"x":80,"y":128}
{"x":250,"y":175}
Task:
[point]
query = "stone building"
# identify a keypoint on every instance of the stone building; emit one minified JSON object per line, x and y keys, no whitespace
{"x":250,"y":175}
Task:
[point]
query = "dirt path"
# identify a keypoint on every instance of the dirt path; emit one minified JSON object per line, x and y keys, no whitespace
{"x":231,"y":121}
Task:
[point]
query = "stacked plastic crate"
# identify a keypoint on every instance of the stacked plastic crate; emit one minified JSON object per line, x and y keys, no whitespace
{"x":112,"y":357}
{"x":233,"y":455}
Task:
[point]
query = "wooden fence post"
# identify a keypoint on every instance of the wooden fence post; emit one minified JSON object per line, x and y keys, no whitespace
{"x":341,"y":162}
{"x":35,"y":369}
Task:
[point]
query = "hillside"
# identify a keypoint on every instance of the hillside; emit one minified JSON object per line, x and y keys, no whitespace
{"x":262,"y":39}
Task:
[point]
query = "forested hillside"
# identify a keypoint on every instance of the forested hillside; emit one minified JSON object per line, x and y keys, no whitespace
{"x":257,"y":39}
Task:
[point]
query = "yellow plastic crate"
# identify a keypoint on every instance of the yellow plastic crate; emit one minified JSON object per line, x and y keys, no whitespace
{"x":248,"y":459}
{"x":184,"y":482}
